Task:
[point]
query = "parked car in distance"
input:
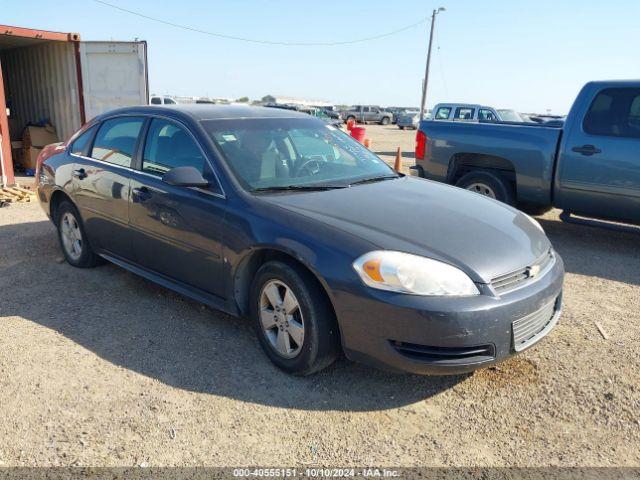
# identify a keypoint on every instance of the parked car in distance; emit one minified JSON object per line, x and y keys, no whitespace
{"x":460,"y":112}
{"x":162,"y":100}
{"x":320,"y":114}
{"x":275,"y":216}
{"x":589,"y":165}
{"x":368,"y":113}
{"x":332,"y":112}
{"x":409,"y":119}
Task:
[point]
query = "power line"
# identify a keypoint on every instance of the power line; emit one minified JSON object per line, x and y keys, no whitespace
{"x":264,"y":42}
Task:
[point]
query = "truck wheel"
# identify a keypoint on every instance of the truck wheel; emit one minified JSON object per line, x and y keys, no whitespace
{"x":385,"y":121}
{"x":489,"y":185}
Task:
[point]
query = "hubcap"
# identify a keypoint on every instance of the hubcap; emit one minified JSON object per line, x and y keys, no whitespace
{"x":281,"y":318}
{"x":71,"y":236}
{"x":482,"y":189}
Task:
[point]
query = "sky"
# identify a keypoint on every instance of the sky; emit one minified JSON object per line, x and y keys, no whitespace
{"x":532,"y":56}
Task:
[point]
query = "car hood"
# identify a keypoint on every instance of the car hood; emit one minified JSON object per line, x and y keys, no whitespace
{"x":483,"y":237}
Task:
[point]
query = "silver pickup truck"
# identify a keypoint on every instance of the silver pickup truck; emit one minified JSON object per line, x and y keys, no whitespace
{"x":368,"y":113}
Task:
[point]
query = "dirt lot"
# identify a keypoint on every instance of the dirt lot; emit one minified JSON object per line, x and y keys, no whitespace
{"x":100,"y":367}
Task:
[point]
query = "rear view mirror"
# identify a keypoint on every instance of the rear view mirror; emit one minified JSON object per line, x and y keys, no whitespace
{"x":185,"y":177}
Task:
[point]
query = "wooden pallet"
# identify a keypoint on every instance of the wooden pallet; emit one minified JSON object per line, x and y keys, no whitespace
{"x":16,"y":195}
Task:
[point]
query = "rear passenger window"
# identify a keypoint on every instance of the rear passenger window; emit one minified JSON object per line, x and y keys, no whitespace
{"x":116,"y":140}
{"x":486,"y":116}
{"x":156,"y":101}
{"x":615,"y":112}
{"x":169,"y":146}
{"x":464,"y":113}
{"x":443,"y":113}
{"x":81,"y":143}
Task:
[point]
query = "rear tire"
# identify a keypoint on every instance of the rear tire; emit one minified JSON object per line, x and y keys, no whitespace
{"x":300,"y":304}
{"x":488,"y":184}
{"x":73,"y":239}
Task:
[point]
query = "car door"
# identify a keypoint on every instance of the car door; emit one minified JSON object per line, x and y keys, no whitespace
{"x":101,"y":184}
{"x":599,"y":168}
{"x":176,"y":230}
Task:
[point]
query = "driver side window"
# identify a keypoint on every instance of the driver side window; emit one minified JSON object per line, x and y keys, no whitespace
{"x":169,"y":146}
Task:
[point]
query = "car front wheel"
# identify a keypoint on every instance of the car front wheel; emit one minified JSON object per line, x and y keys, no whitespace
{"x":385,"y":121}
{"x":295,"y":323}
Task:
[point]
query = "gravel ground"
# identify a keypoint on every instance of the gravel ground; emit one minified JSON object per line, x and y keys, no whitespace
{"x":99,"y":367}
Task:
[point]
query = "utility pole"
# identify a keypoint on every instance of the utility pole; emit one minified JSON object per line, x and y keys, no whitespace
{"x":426,"y":73}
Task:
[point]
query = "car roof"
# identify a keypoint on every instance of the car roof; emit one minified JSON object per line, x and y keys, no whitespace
{"x":467,"y":105}
{"x":200,"y":111}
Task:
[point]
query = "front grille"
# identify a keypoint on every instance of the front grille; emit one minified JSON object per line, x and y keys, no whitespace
{"x":510,"y":281}
{"x":530,"y":328}
{"x":445,"y":355}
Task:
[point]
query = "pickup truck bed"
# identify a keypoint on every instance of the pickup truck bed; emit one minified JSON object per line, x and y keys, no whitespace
{"x":466,"y":146}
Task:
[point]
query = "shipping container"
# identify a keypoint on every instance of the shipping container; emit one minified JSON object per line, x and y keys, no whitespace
{"x":52,"y":77}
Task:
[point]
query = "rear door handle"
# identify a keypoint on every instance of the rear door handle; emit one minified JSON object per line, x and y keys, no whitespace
{"x":586,"y":150}
{"x":80,"y":173}
{"x":142,"y":193}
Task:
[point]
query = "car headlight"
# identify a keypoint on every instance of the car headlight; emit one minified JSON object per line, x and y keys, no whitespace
{"x":412,"y":274}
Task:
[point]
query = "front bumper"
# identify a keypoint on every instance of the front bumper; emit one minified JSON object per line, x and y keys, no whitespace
{"x":439,"y":335}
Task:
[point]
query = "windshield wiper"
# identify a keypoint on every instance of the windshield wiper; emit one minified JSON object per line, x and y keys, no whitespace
{"x":279,"y":188}
{"x":375,"y":179}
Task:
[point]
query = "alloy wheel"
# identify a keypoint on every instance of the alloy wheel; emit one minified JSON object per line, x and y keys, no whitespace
{"x":71,"y":236}
{"x":281,"y":318}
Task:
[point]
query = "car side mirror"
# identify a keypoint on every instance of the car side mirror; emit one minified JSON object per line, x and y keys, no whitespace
{"x":185,"y":177}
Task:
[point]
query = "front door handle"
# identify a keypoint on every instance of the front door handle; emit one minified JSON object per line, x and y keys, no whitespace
{"x":586,"y":150}
{"x":142,"y":193}
{"x":80,"y":173}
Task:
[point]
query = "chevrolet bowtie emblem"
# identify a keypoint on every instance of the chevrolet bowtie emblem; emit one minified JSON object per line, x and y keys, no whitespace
{"x":533,"y":271}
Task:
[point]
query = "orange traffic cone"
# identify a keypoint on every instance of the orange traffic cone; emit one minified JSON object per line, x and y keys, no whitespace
{"x":367,"y":142}
{"x":397,"y":166}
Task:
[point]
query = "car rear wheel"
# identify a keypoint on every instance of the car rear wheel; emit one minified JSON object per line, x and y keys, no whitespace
{"x":295,"y":323}
{"x":489,"y":185}
{"x":385,"y":121}
{"x":73,"y":239}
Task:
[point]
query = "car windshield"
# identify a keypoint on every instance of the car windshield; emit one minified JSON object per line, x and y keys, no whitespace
{"x":294,"y":153}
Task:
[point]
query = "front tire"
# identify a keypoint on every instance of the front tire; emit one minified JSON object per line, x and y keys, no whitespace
{"x":72,"y":237}
{"x":294,"y":321}
{"x":489,"y":185}
{"x":385,"y":121}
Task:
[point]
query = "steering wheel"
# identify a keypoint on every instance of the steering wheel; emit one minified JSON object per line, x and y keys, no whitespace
{"x":310,"y":166}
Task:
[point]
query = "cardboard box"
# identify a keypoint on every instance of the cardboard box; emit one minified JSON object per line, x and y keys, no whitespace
{"x":39,"y":136}
{"x":18,"y":155}
{"x":30,"y":155}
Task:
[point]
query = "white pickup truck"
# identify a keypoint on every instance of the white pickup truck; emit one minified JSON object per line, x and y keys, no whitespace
{"x":460,"y":112}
